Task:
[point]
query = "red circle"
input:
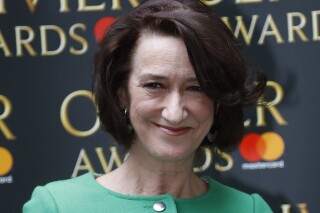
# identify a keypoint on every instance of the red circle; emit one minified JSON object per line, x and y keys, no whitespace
{"x":102,"y":26}
{"x":248,"y":147}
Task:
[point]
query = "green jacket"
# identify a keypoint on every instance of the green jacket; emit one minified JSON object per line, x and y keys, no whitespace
{"x":84,"y":194}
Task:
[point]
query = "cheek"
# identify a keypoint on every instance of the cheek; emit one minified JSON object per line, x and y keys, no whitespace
{"x":203,"y":110}
{"x":141,"y":106}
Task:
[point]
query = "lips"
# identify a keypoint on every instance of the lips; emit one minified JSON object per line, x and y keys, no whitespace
{"x":174,"y":131}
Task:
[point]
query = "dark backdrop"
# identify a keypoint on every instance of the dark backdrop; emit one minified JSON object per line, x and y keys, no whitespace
{"x":47,"y":119}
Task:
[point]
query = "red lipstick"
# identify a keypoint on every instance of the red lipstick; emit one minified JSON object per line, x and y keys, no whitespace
{"x":174,"y":131}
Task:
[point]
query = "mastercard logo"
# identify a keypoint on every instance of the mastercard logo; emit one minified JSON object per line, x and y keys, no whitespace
{"x":255,"y":147}
{"x":6,"y":161}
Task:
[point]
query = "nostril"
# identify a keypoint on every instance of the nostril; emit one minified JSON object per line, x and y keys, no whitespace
{"x":174,"y":109}
{"x":174,"y":115}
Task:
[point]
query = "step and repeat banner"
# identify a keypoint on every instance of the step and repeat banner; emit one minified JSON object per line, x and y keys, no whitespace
{"x":48,"y":127}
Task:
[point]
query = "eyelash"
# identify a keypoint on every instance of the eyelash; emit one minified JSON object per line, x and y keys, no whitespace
{"x":155,"y":85}
{"x":195,"y":89}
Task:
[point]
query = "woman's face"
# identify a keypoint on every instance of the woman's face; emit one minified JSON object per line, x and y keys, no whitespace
{"x":169,"y":112}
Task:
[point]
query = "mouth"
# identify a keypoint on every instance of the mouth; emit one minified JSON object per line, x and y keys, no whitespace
{"x":174,"y":131}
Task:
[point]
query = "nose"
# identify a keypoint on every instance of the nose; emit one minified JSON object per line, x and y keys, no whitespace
{"x":174,"y":110}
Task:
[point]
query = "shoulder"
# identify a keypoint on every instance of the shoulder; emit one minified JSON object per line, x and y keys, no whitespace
{"x":74,"y":185}
{"x":237,"y":200}
{"x":54,"y":195}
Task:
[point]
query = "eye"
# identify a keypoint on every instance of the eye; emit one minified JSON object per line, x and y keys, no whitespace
{"x":195,"y":89}
{"x":153,"y":85}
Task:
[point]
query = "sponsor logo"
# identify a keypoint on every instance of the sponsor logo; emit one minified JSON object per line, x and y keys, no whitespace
{"x":6,"y":163}
{"x":262,"y":151}
{"x":102,"y":26}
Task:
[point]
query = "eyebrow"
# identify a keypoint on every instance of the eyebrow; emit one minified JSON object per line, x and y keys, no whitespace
{"x":162,"y":77}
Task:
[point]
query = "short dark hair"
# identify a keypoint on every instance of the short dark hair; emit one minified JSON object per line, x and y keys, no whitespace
{"x":213,"y":51}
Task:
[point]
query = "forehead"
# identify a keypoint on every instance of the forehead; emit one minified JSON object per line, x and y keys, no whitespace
{"x":166,"y":55}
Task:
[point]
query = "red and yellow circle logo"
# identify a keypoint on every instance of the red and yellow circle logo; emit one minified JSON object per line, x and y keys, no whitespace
{"x":6,"y":161}
{"x":268,"y":146}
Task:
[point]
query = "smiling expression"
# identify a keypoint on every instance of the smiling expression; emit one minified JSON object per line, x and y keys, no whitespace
{"x":169,"y":112}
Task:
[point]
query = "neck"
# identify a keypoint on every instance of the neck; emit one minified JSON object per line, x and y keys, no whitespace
{"x":151,"y":179}
{"x":147,"y":176}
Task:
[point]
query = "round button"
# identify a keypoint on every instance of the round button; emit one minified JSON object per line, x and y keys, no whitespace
{"x":159,"y":206}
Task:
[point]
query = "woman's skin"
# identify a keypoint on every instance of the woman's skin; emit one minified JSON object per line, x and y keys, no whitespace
{"x":170,"y":116}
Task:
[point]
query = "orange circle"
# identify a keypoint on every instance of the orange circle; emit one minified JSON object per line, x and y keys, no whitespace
{"x":274,"y":146}
{"x":6,"y":161}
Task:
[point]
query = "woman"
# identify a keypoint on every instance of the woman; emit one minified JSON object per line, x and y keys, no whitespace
{"x":169,"y":78}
